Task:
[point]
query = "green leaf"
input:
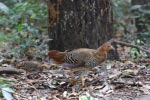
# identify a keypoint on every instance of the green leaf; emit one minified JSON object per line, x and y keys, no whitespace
{"x":3,"y":37}
{"x":148,"y":41}
{"x":135,"y":7}
{"x":83,"y":98}
{"x":145,"y":11}
{"x":33,"y":16}
{"x":134,"y":53}
{"x":4,"y":8}
{"x":20,"y":27}
{"x":8,"y":89}
{"x":138,"y":41}
{"x":7,"y":93}
{"x":120,"y":14}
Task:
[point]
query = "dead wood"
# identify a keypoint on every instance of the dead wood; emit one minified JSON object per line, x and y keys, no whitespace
{"x":10,"y":70}
{"x":129,"y":45}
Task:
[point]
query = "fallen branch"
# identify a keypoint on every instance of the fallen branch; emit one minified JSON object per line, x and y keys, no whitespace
{"x":124,"y":83}
{"x":10,"y":70}
{"x":129,"y":45}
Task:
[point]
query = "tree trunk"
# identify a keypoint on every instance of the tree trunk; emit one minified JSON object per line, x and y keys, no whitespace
{"x":79,"y":23}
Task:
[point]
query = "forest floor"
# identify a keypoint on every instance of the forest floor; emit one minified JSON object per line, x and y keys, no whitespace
{"x":125,"y":79}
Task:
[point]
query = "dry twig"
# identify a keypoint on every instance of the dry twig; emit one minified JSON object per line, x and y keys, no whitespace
{"x":130,"y":45}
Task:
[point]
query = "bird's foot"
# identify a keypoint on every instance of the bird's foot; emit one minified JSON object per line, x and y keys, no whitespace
{"x":74,"y":81}
{"x":83,"y":81}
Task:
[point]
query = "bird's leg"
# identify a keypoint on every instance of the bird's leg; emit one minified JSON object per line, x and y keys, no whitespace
{"x":73,"y":81}
{"x":72,"y":73}
{"x":83,"y":78}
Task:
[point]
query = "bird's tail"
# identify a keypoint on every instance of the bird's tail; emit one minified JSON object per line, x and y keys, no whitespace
{"x":57,"y":56}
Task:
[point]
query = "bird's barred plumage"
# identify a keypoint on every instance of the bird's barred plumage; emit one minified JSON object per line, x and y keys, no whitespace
{"x":80,"y":57}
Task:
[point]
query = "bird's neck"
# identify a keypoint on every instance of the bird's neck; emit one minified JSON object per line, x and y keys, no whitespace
{"x":101,"y":51}
{"x":101,"y":54}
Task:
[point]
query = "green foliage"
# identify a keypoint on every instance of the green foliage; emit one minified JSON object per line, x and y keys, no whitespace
{"x":3,"y":8}
{"x":7,"y":93}
{"x":141,"y":13}
{"x":135,"y":52}
{"x":25,"y":23}
{"x":122,"y":20}
{"x":88,"y":98}
{"x":132,"y":22}
{"x":3,"y":37}
{"x":5,"y":89}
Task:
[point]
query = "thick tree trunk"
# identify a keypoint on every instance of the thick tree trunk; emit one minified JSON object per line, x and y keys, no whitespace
{"x":79,"y":23}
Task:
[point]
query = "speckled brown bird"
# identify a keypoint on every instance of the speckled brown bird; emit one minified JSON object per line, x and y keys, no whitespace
{"x":82,"y":58}
{"x":31,"y":66}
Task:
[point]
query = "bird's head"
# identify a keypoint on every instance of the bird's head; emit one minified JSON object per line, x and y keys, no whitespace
{"x":103,"y":49}
{"x":107,"y":47}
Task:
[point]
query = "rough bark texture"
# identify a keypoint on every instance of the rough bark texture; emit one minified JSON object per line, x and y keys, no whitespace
{"x":79,"y":23}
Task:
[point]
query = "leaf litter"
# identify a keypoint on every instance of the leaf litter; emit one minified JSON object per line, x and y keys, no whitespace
{"x":113,"y":80}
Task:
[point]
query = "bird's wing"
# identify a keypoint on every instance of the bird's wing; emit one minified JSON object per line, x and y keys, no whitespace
{"x":74,"y":57}
{"x":91,"y":62}
{"x":94,"y":60}
{"x":80,"y":57}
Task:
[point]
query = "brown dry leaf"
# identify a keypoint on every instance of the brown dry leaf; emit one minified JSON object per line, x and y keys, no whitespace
{"x":108,"y":66}
{"x":145,"y":89}
{"x":45,"y":66}
{"x":129,"y":63}
{"x":6,"y":65}
{"x":54,"y":67}
{"x":117,"y":73}
{"x":119,"y":49}
{"x":146,"y":86}
{"x":127,"y":49}
{"x":129,"y":72}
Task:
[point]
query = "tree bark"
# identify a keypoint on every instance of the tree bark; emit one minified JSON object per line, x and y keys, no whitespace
{"x":79,"y":23}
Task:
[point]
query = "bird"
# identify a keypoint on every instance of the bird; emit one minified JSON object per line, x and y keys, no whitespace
{"x":81,"y":58}
{"x":31,"y":66}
